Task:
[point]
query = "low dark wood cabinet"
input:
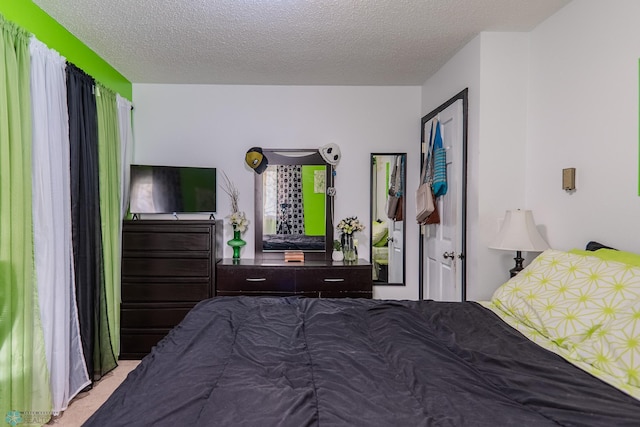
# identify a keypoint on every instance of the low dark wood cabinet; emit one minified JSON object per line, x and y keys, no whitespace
{"x":315,"y":279}
{"x":168,"y":266}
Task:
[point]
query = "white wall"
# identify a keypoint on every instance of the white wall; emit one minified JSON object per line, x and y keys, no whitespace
{"x":494,"y":68}
{"x":583,"y":113}
{"x":563,"y":95}
{"x":501,"y":157}
{"x":462,"y":71}
{"x":214,"y":125}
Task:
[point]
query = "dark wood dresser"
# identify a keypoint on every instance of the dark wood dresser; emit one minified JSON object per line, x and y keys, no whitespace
{"x":168,"y":266}
{"x":315,"y":279}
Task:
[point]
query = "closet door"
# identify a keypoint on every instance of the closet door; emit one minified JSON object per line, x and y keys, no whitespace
{"x":442,"y":251}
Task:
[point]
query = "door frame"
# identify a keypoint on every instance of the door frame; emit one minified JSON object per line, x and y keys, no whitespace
{"x":462,"y":95}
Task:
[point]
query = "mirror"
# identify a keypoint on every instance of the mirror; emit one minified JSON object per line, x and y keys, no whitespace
{"x":292,"y":208}
{"x":387,"y":235}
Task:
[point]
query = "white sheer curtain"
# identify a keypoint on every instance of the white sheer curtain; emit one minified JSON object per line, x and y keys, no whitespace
{"x":52,"y":226}
{"x":126,"y":142}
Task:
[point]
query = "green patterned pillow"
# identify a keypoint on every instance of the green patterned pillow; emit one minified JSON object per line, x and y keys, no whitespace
{"x":615,"y":347}
{"x":567,"y":297}
{"x":379,"y":234}
{"x":620,"y":256}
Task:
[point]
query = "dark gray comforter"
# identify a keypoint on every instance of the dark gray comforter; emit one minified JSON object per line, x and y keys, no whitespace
{"x":250,"y":361}
{"x":302,"y":242}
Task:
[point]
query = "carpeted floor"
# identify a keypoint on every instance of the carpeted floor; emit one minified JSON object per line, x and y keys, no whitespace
{"x":85,"y":404}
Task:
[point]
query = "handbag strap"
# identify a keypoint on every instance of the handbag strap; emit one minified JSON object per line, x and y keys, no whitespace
{"x":437,"y":139}
{"x":392,"y":180}
{"x":427,"y":169}
{"x":400,"y":175}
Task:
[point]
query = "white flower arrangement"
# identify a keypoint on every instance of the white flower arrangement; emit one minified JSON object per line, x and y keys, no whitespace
{"x":350,"y":225}
{"x":237,"y":219}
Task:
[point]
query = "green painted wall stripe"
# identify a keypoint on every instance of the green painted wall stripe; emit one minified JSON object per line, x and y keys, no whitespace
{"x":33,"y":19}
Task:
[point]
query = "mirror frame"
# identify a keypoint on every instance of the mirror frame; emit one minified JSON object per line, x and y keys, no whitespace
{"x":293,"y":157}
{"x":404,"y":227}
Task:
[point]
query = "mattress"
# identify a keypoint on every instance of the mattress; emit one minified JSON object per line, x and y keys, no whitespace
{"x":250,"y":361}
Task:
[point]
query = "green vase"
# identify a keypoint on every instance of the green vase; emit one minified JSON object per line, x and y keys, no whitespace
{"x":236,"y":243}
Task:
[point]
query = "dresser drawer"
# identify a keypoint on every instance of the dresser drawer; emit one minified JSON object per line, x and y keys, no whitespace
{"x":345,"y":294}
{"x":351,"y":278}
{"x":173,"y":291}
{"x":260,"y":293}
{"x":167,"y":241}
{"x":138,"y":344}
{"x":152,"y":316}
{"x":255,"y":279}
{"x":172,"y":267}
{"x":312,"y":279}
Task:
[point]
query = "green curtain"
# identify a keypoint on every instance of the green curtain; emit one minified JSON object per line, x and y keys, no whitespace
{"x":25,"y":396}
{"x":109,"y":170}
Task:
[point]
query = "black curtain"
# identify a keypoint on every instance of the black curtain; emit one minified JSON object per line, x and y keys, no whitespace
{"x":86,"y":223}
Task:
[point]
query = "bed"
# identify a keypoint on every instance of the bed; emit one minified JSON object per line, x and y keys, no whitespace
{"x":279,"y":242}
{"x":531,"y":356}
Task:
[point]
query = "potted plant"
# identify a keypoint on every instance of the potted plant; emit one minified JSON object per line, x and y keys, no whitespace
{"x":337,"y":254}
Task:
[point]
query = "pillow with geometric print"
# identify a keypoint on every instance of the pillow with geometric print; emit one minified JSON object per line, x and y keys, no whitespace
{"x":567,"y":297}
{"x":614,"y":348}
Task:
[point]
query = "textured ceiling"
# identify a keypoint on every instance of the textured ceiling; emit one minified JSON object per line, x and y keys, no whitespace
{"x":288,"y":42}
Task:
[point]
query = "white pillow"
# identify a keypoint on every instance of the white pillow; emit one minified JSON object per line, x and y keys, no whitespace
{"x":379,"y":231}
{"x":568,"y":297}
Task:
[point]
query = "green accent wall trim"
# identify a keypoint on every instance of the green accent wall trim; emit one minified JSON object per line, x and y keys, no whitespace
{"x":33,"y":19}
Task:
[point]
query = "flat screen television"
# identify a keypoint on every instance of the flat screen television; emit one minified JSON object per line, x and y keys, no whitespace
{"x":172,"y":189}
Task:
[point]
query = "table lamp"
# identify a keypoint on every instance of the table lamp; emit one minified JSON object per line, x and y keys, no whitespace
{"x":519,"y":233}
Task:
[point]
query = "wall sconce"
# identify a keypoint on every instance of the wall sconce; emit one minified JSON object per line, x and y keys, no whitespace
{"x":519,"y":233}
{"x":569,"y":179}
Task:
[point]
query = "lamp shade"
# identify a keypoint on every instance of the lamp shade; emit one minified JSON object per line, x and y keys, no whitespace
{"x":519,"y":233}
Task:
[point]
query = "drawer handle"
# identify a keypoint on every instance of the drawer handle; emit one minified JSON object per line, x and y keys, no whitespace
{"x":334,"y":280}
{"x":257,"y":279}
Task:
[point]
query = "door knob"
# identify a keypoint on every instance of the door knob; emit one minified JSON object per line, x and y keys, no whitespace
{"x":451,"y":255}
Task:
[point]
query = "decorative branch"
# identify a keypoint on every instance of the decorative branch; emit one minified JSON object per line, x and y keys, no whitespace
{"x":234,"y":195}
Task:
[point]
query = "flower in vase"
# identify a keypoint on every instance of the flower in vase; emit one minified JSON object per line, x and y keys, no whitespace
{"x":347,"y":227}
{"x":350,"y":225}
{"x":238,"y":221}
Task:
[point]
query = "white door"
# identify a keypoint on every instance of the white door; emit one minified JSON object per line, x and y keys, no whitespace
{"x":396,"y":245}
{"x":442,"y":252}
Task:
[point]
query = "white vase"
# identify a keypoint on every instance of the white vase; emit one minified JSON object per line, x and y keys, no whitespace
{"x":337,"y":255}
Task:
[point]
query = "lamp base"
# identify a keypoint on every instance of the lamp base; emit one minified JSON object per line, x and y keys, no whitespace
{"x":518,"y":268}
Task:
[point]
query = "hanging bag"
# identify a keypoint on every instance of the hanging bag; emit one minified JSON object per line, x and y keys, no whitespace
{"x":394,"y":199}
{"x":400,"y":188}
{"x":439,"y":184}
{"x":434,"y":217}
{"x":424,"y":197}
